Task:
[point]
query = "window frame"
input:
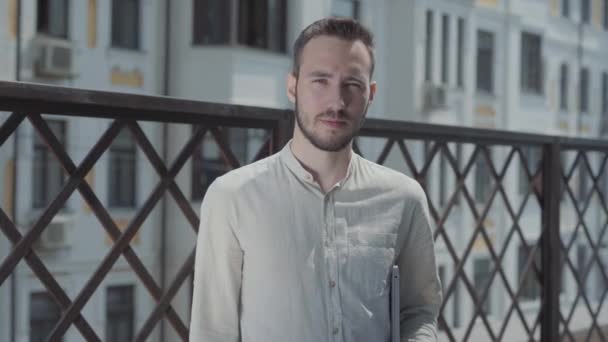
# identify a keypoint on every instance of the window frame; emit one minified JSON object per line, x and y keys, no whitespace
{"x":43,"y":20}
{"x":116,"y":153}
{"x":126,"y":310}
{"x":445,"y":48}
{"x":585,"y":11}
{"x":136,"y":25}
{"x":41,"y":197}
{"x":604,"y":103}
{"x":485,"y":82}
{"x":531,"y":63}
{"x":461,"y":36}
{"x":564,"y":79}
{"x":486,"y":306}
{"x":50,"y":320}
{"x":584,"y":80}
{"x":483,"y":177}
{"x":530,"y":285}
{"x":428,"y":47}
{"x":238,"y":22}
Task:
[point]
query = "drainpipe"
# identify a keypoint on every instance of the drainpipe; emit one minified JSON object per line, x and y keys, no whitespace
{"x":579,"y":57}
{"x":506,"y":105}
{"x":13,"y":286}
{"x":165,"y":156}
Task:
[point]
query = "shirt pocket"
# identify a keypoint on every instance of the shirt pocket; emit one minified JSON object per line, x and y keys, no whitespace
{"x":370,"y":257}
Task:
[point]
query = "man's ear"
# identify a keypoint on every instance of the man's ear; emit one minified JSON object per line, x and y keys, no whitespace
{"x":372,"y":90}
{"x":292,"y":81}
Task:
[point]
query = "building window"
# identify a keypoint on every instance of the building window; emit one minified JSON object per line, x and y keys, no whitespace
{"x":585,"y":11}
{"x":531,"y":63}
{"x":531,"y":156}
{"x":583,"y":183}
{"x":459,"y":159}
{"x":530,"y":286}
{"x":48,"y":175}
{"x":460,"y":53}
{"x":44,"y":314}
{"x":207,"y":165}
{"x":122,"y":171}
{"x":428,"y":68}
{"x":603,"y":186}
{"x":600,"y":281}
{"x":260,"y":23}
{"x":211,"y":22}
{"x":125,"y":24}
{"x":445,"y":47}
{"x":565,"y":8}
{"x":482,"y":269}
{"x":53,"y":18}
{"x":483,"y":179}
{"x":485,"y":61}
{"x":584,"y":91}
{"x":443,"y":178}
{"x":346,"y":8}
{"x":581,"y":265}
{"x":605,"y":19}
{"x":120,"y":313}
{"x":563,"y":87}
{"x":208,"y":162}
{"x":604,"y":102}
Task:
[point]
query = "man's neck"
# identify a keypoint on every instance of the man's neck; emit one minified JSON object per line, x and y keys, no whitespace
{"x":328,"y":168}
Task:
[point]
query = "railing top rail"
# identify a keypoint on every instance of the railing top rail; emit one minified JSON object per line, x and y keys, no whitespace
{"x":48,"y":99}
{"x":448,"y":133}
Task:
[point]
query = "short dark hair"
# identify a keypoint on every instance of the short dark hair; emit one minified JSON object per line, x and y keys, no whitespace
{"x":344,"y":28}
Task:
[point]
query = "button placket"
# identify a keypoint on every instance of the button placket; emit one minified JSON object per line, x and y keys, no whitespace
{"x":333,"y":266}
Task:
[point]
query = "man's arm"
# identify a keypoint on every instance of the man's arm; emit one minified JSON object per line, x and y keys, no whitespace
{"x":420,"y":290}
{"x":217,"y":272}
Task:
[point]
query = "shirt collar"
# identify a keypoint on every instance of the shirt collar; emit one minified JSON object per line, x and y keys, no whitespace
{"x":287,"y":157}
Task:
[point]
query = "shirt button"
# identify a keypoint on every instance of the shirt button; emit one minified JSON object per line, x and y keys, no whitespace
{"x":336,"y":331}
{"x":332,"y":283}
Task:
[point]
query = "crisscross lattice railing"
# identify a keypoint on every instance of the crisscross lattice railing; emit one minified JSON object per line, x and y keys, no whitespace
{"x":520,"y":219}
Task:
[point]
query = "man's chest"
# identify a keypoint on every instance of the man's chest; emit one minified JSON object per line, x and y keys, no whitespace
{"x":345,"y":243}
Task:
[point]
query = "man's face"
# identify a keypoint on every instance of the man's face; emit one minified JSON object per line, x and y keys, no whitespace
{"x":332,"y":92}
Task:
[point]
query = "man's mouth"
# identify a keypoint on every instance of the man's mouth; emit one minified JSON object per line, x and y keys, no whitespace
{"x":333,"y":123}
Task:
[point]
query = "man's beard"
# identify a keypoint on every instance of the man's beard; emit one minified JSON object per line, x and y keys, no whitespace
{"x":333,"y":144}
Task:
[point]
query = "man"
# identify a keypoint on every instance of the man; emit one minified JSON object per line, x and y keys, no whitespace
{"x":298,"y":247}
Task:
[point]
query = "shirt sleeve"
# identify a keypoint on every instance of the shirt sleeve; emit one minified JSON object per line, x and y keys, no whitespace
{"x":217,"y":272}
{"x":419,"y":287}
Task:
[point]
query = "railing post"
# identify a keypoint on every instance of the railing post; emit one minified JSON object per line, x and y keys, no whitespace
{"x":550,"y":248}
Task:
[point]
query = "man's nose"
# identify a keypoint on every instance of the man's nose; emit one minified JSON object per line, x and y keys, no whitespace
{"x":336,"y":99}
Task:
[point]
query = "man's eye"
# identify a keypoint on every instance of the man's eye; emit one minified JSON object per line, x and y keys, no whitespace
{"x":320,"y":81}
{"x":353,"y":85}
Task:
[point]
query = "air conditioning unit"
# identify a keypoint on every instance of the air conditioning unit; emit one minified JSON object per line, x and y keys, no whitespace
{"x":434,"y":96}
{"x":53,"y":57}
{"x":56,"y":234}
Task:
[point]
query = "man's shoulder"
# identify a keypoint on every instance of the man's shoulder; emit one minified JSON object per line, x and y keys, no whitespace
{"x":237,"y":180}
{"x":393,"y":180}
